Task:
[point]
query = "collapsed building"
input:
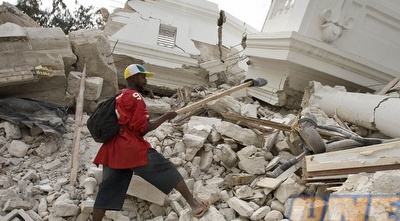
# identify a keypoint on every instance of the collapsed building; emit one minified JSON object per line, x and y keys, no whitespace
{"x":229,"y":150}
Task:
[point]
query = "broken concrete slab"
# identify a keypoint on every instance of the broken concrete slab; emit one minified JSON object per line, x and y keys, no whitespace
{"x":93,"y":48}
{"x":93,"y":86}
{"x":144,"y":190}
{"x":14,"y":214}
{"x":34,"y":56}
{"x":289,"y":188}
{"x":36,"y":63}
{"x":10,"y":13}
{"x":10,"y":31}
{"x":242,"y":135}
{"x":251,"y":160}
{"x":227,"y":156}
{"x":240,"y":206}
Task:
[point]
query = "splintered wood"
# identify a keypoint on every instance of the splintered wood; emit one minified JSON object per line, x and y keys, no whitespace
{"x":363,"y":159}
{"x":270,"y":184}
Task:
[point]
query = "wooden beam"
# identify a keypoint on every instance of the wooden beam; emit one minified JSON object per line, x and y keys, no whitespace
{"x":272,"y":124}
{"x":257,"y":121}
{"x":388,"y":86}
{"x":351,"y":161}
{"x":78,"y":128}
{"x":270,"y":184}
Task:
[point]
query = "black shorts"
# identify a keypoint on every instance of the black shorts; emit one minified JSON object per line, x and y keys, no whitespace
{"x":159,"y":171}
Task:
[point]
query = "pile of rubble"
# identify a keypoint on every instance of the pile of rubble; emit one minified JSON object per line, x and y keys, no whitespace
{"x":242,"y":155}
{"x":228,"y":164}
{"x":224,"y":161}
{"x":220,"y":160}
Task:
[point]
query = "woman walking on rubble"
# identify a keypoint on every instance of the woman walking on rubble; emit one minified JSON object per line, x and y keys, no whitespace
{"x":129,"y":152}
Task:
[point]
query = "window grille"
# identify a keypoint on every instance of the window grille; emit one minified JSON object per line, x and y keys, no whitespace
{"x":166,"y":36}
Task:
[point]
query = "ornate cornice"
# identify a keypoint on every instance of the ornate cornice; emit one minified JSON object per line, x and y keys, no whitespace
{"x":304,"y":51}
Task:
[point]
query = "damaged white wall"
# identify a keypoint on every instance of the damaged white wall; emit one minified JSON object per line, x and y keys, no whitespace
{"x":135,"y":31}
{"x":351,"y":43}
{"x":194,"y":59}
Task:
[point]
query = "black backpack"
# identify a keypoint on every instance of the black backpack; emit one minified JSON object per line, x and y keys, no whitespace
{"x":103,"y":123}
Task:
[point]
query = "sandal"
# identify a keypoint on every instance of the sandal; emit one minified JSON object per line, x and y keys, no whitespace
{"x":206,"y":205}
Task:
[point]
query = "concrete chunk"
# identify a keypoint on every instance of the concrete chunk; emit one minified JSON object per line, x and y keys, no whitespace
{"x":16,"y":203}
{"x":193,"y":144}
{"x":260,"y":213}
{"x":227,"y":104}
{"x":273,"y":216}
{"x":250,"y":162}
{"x":14,"y":214}
{"x":18,"y":148}
{"x":209,"y":192}
{"x":240,"y":206}
{"x":93,"y":44}
{"x":144,"y":190}
{"x":93,"y":86}
{"x":11,"y":30}
{"x":213,"y":214}
{"x":12,"y":130}
{"x":227,"y":156}
{"x":242,"y":135}
{"x":239,"y":179}
{"x":289,"y":188}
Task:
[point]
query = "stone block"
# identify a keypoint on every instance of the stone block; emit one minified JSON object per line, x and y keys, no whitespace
{"x":12,"y":130}
{"x":240,"y":206}
{"x":15,"y":214}
{"x":289,"y":188}
{"x":244,"y":136}
{"x":193,"y":144}
{"x":13,"y":31}
{"x":18,"y":148}
{"x":93,"y":86}
{"x":144,"y":190}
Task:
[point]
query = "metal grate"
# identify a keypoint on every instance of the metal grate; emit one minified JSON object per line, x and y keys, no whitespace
{"x":166,"y":36}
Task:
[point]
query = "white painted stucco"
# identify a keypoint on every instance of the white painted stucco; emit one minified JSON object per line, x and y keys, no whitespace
{"x":194,"y":20}
{"x":354,"y":43}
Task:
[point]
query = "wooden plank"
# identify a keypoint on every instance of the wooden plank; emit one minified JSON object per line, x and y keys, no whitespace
{"x":78,"y":128}
{"x":256,"y":128}
{"x":257,"y":121}
{"x":355,"y":170}
{"x":275,"y":125}
{"x":325,"y":179}
{"x":362,"y":159}
{"x":291,"y":170}
{"x":340,"y":122}
{"x":388,"y":86}
{"x":279,"y":180}
{"x":268,"y":182}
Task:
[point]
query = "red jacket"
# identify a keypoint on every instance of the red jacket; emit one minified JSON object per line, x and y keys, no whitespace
{"x":127,"y":149}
